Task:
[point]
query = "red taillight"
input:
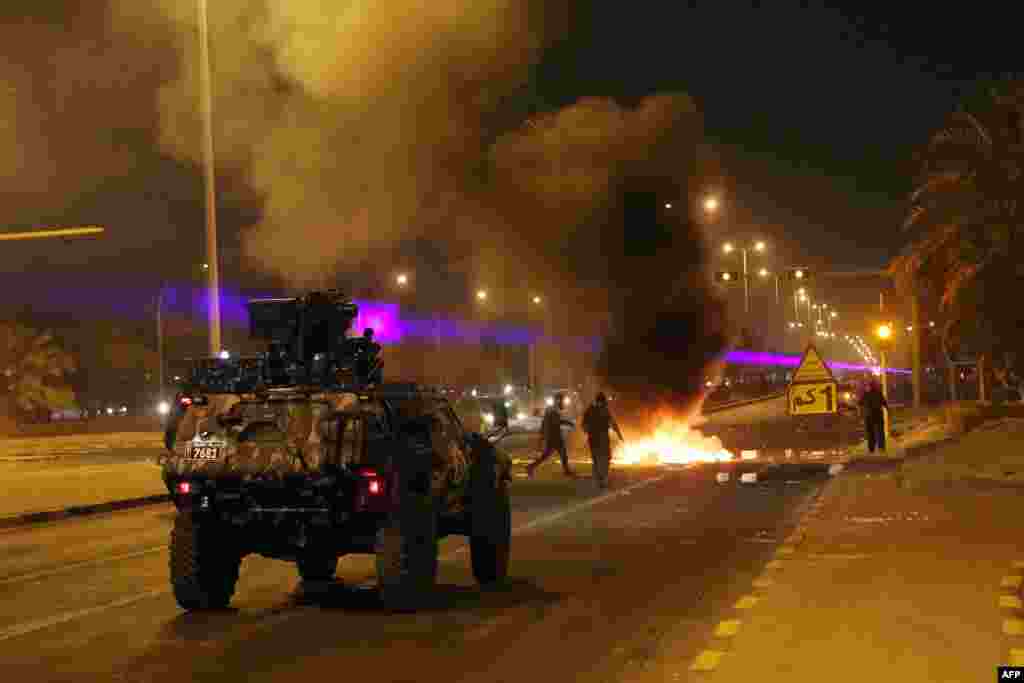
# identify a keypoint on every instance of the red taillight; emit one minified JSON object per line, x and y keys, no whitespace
{"x":184,"y":487}
{"x":186,"y":401}
{"x":369,"y":474}
{"x":376,"y":488}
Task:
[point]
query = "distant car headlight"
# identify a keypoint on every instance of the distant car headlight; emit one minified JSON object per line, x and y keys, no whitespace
{"x":489,"y":418}
{"x":549,"y":401}
{"x":520,"y":416}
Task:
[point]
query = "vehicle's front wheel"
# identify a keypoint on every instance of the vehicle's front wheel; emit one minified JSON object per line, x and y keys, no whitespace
{"x":204,"y":564}
{"x":406,"y":547}
{"x":490,"y":539}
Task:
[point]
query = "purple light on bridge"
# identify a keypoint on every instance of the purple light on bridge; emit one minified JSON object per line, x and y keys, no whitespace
{"x":785,"y":360}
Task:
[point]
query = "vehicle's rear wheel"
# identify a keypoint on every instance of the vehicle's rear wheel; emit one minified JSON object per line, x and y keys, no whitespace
{"x":406,"y":546}
{"x":204,"y":564}
{"x":490,"y":539}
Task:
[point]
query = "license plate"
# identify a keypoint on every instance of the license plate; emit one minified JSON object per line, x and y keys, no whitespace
{"x":201,"y":451}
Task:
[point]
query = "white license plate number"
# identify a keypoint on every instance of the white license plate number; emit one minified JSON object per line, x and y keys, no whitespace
{"x":203,"y":451}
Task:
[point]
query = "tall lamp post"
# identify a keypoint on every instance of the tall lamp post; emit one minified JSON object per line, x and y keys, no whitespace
{"x":206,"y":105}
{"x":728,"y":248}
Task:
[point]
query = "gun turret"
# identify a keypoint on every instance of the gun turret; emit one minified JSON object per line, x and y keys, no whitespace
{"x":308,"y":345}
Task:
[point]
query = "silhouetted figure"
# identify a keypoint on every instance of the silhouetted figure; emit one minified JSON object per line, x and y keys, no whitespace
{"x":597,"y":421}
{"x":551,"y":437}
{"x":874,"y":405}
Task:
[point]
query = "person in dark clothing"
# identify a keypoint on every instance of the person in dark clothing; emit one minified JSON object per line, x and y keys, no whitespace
{"x":551,"y":437}
{"x":597,"y":420}
{"x":873,"y":405}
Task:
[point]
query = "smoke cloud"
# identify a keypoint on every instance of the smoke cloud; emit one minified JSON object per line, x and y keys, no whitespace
{"x":368,"y":124}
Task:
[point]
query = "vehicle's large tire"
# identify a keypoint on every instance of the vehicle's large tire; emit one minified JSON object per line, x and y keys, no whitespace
{"x":490,"y":523}
{"x":406,"y":546}
{"x":317,"y":566}
{"x":204,"y":568}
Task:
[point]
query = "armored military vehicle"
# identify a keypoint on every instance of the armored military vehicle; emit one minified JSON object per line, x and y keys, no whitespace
{"x":304,"y":454}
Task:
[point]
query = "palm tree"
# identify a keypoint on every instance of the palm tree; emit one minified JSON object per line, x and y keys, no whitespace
{"x":34,"y":371}
{"x":966,"y":217}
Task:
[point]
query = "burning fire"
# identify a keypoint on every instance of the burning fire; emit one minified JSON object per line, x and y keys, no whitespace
{"x":674,"y":442}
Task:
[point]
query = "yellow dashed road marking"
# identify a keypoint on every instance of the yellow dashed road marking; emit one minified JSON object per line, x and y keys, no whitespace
{"x":785,"y":550}
{"x":1016,"y":658}
{"x":727,"y":628}
{"x":1013,"y":627}
{"x":775,"y":564}
{"x":748,"y":601}
{"x":1012,"y":581}
{"x":763,"y":582}
{"x":1010,"y":602}
{"x":707,"y":660}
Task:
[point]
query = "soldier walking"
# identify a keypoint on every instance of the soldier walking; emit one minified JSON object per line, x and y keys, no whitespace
{"x":597,"y":421}
{"x":551,"y":437}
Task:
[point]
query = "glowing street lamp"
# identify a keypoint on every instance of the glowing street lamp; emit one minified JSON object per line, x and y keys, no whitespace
{"x":884,"y":332}
{"x":537,"y":300}
{"x":481,"y":295}
{"x":727,"y":247}
{"x":402,"y":279}
{"x":759,"y":246}
{"x":711,"y":204}
{"x":763,"y":272}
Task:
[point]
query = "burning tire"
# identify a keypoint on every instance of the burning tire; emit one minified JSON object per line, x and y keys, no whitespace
{"x":204,"y":569}
{"x":490,"y":539}
{"x":406,"y":547}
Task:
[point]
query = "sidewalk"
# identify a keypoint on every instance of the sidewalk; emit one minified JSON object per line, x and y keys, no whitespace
{"x":889,"y":582}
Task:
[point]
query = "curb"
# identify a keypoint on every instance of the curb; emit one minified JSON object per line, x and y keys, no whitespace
{"x":29,"y":518}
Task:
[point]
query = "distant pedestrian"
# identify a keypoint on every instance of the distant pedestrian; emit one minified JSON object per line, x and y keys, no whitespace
{"x":597,"y":421}
{"x":551,"y":437}
{"x":874,"y":405}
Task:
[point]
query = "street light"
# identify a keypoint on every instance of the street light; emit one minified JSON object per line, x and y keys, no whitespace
{"x":481,"y":295}
{"x":402,"y":279}
{"x":711,"y":204}
{"x":206,"y":102}
{"x":763,"y":272}
{"x":536,"y":300}
{"x":668,"y":205}
{"x":758,"y":246}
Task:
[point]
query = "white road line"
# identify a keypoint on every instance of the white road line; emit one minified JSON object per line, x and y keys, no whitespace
{"x":40,"y":624}
{"x":56,"y":620}
{"x":43,"y":573}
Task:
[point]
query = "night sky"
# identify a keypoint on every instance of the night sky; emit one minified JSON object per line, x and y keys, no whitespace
{"x":815,"y":113}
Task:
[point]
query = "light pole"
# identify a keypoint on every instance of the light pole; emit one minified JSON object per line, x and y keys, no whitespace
{"x":728,"y":248}
{"x":536,"y":302}
{"x":206,"y":104}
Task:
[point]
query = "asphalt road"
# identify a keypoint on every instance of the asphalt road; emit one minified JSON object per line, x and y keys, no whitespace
{"x":601,"y":589}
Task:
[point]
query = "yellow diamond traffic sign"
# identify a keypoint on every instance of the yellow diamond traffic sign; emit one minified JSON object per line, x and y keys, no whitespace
{"x":813,"y":389}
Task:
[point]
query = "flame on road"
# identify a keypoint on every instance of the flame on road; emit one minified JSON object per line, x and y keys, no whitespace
{"x":673,"y":442}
